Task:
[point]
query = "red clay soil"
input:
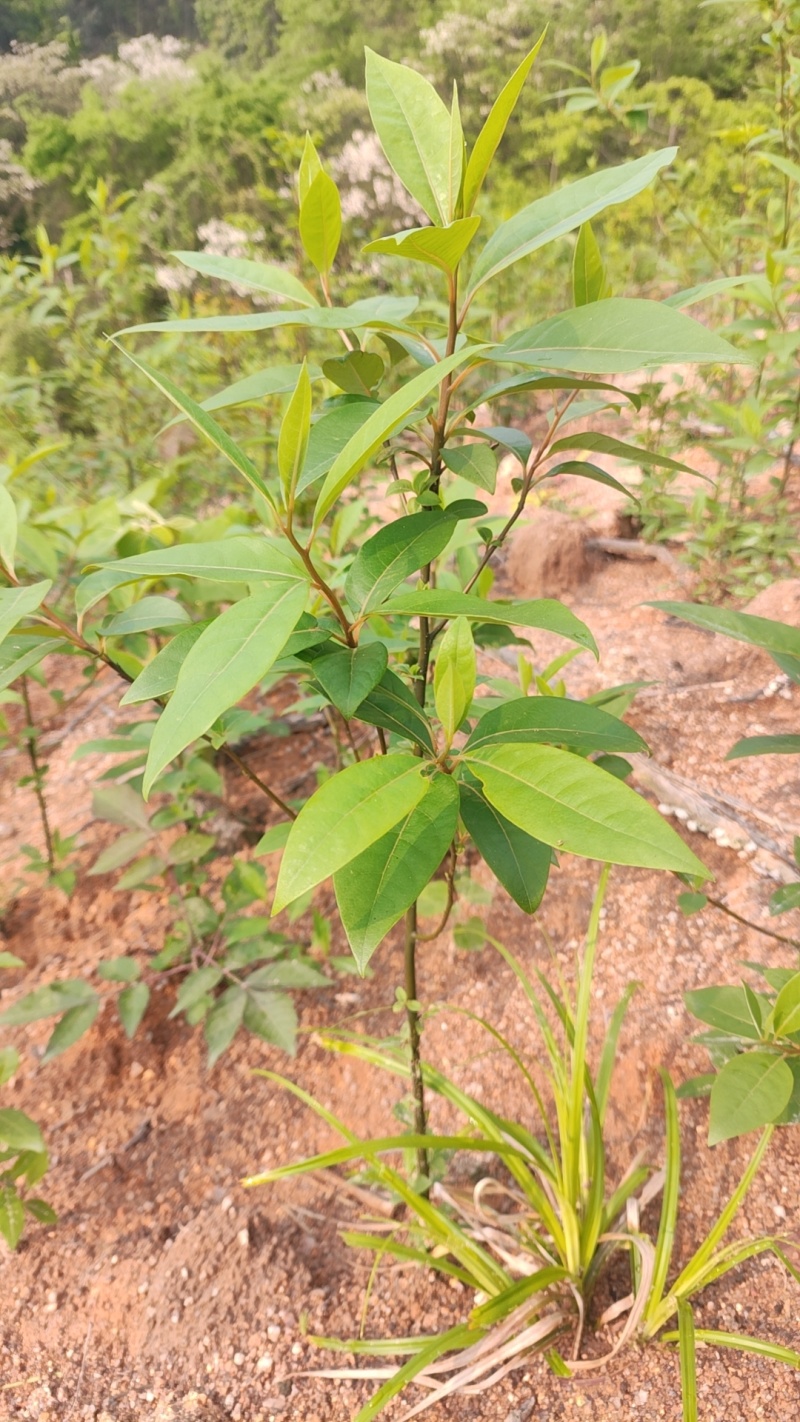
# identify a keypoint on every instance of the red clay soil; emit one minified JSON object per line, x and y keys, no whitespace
{"x":166,"y":1291}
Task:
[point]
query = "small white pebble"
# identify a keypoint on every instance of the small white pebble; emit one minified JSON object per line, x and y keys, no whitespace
{"x":264,"y":1364}
{"x":144,"y":1287}
{"x":779,"y":1211}
{"x":296,"y":1350}
{"x":184,"y":1273}
{"x":243,"y":1237}
{"x":239,"y":1359}
{"x":274,"y":1332}
{"x":175,"y":1317}
{"x":226,"y":1204}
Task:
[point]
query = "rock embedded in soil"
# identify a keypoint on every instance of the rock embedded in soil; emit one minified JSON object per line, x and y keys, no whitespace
{"x":548,"y":556}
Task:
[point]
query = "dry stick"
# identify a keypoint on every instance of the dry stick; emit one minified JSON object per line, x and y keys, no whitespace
{"x":412,"y":1016}
{"x":37,"y":774}
{"x":748,"y":923}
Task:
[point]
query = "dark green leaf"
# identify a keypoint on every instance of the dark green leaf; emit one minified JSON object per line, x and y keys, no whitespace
{"x":357,"y":373}
{"x":474,"y":462}
{"x":272,"y":1017}
{"x":47,"y":1001}
{"x":132,"y":1005}
{"x":545,"y":613}
{"x":75,"y":1022}
{"x":725,"y":1008}
{"x":349,"y":676}
{"x":520,"y":862}
{"x":224,"y":1021}
{"x":764,"y":745}
{"x":751,"y":1090}
{"x":374,"y":890}
{"x":606,"y":444}
{"x":555,"y":721}
{"x":119,"y":970}
{"x":393,"y":707}
{"x":12,"y":1216}
{"x":390,"y":556}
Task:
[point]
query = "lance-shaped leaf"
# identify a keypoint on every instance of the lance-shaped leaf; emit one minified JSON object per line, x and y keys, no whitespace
{"x":554,"y":720}
{"x":259,"y":276}
{"x":389,"y":416}
{"x":584,"y":470}
{"x":346,"y":815}
{"x":160,"y":676}
{"x":226,"y":661}
{"x":441,"y":247}
{"x":493,"y":129}
{"x":706,"y":289}
{"x":16,"y":603}
{"x":750,"y":1091}
{"x":562,"y":211}
{"x":764,"y":745}
{"x":458,"y":158}
{"x":606,"y":444}
{"x":394,"y":707}
{"x":293,"y":437}
{"x":617,"y":335}
{"x":8,"y":528}
{"x":382,"y":312}
{"x":454,"y":676}
{"x":329,"y":435}
{"x":519,"y":384}
{"x":22,"y":661}
{"x":321,"y":222}
{"x":520,"y":862}
{"x":413,"y":126}
{"x":777,"y":638}
{"x":244,"y":559}
{"x":203,"y":422}
{"x":147,"y":615}
{"x":276,"y":380}
{"x":75,"y":1022}
{"x":374,"y":890}
{"x":573,"y":805}
{"x":390,"y":556}
{"x":347,"y":677}
{"x":18,"y":1131}
{"x":588,"y":273}
{"x":545,"y":613}
{"x":310,"y":167}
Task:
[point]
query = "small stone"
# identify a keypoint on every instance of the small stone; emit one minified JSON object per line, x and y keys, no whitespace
{"x":239,"y":1359}
{"x":264,"y":1363}
{"x":243,"y":1238}
{"x":226,"y":1204}
{"x":274,"y":1332}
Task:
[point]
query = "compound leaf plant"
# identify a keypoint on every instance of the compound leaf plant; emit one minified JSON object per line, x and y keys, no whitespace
{"x":385,"y":630}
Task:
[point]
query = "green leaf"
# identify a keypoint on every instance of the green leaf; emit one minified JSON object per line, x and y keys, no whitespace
{"x":224,"y":1021}
{"x":381,"y":424}
{"x":149,"y":614}
{"x":520,"y":862}
{"x":275,"y":380}
{"x":310,"y":166}
{"x":226,"y":661}
{"x":614,"y":336}
{"x":413,"y":126}
{"x":764,"y":745}
{"x":203,"y":422}
{"x":454,"y":676}
{"x":329,"y":435}
{"x":519,"y":384}
{"x":195,"y":987}
{"x":399,"y":549}
{"x":8,"y":528}
{"x":41,"y":1211}
{"x":441,"y":247}
{"x":160,"y":675}
{"x":785,"y":898}
{"x":274,"y":839}
{"x":75,"y":1022}
{"x":321,"y":222}
{"x":10,"y":960}
{"x":606,"y":444}
{"x":347,"y":677}
{"x":16,"y":603}
{"x":357,"y":373}
{"x":686,"y":1347}
{"x":131,"y":1006}
{"x":785,"y":1016}
{"x":692,"y":294}
{"x":588,"y":273}
{"x":783,"y":165}
{"x":382,"y":312}
{"x":119,"y":970}
{"x":18,"y":1132}
{"x":691,"y":903}
{"x":47,"y":1001}
{"x":395,"y":708}
{"x":272,"y":1017}
{"x":347,"y":814}
{"x":555,"y":721}
{"x":545,"y":613}
{"x":726,"y":1008}
{"x":475,"y":462}
{"x":12,"y":1216}
{"x":259,"y":276}
{"x":562,"y":211}
{"x":9,"y":1063}
{"x":457,"y":158}
{"x":572,"y":805}
{"x":20,"y":665}
{"x":293,"y":437}
{"x":374,"y":890}
{"x":778,"y":638}
{"x":495,"y":126}
{"x":750,"y":1091}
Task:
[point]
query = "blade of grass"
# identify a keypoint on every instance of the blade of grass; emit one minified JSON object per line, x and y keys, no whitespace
{"x":669,"y":1205}
{"x":744,"y":1342}
{"x":688,"y":1361}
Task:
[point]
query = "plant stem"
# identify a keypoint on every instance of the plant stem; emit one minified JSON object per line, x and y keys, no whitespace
{"x":748,"y":923}
{"x":37,"y":775}
{"x":412,"y":1017}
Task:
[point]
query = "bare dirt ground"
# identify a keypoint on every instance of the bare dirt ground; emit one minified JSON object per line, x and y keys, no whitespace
{"x":168,"y":1292}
